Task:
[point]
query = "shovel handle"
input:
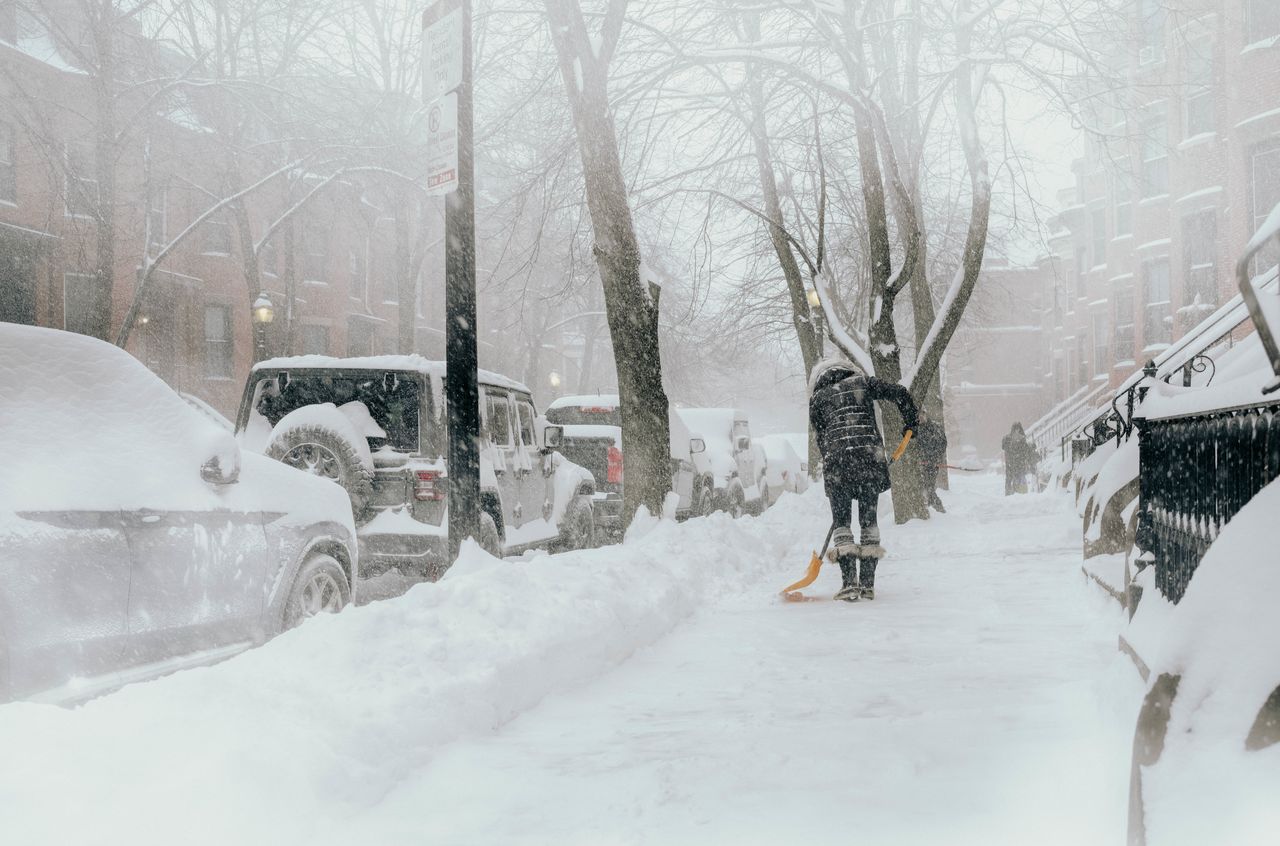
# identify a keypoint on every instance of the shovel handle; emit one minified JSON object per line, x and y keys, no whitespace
{"x":827,"y":542}
{"x":902,"y":447}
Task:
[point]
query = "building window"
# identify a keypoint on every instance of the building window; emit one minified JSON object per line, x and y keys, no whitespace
{"x":315,"y":339}
{"x":1059,"y":298}
{"x":1262,"y":20}
{"x":1198,"y":100}
{"x":1122,"y":197}
{"x":1152,"y":16}
{"x":267,"y":259}
{"x":1264,"y":189}
{"x":78,"y":302}
{"x":1124,"y":325}
{"x":8,"y":174}
{"x":1199,"y":271}
{"x":1158,"y":323}
{"x":218,"y":343}
{"x":217,"y":237}
{"x":1082,"y":270}
{"x":1082,"y":359}
{"x":356,"y":269}
{"x":359,"y":337}
{"x":82,"y":189}
{"x":390,"y":286}
{"x":157,"y":219}
{"x":1101,"y":342}
{"x":315,"y":254}
{"x":1099,"y":237}
{"x":1155,"y":155}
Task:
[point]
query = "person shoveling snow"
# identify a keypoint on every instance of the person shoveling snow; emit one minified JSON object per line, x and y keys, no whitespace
{"x":854,"y":463}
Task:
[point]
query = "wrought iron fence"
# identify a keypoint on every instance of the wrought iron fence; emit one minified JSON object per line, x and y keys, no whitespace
{"x":1197,"y":472}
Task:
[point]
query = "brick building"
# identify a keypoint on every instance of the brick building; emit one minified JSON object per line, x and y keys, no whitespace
{"x":1182,"y":167}
{"x":335,"y":271}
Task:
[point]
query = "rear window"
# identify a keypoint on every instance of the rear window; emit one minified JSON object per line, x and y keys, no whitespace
{"x":574,"y":415}
{"x":394,"y":400}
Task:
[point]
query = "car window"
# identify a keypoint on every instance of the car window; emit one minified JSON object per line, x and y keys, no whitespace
{"x":525,"y":410}
{"x":392,"y":398}
{"x":498,"y":419}
{"x":740,"y":430}
{"x":598,"y":415}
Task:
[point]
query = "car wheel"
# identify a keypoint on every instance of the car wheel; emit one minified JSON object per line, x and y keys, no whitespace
{"x":490,"y":540}
{"x":704,"y":501}
{"x":324,"y":451}
{"x":321,"y":587}
{"x":737,"y":503}
{"x":581,"y":532}
{"x":764,"y":497}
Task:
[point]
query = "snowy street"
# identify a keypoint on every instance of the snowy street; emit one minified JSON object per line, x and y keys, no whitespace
{"x":979,"y":699}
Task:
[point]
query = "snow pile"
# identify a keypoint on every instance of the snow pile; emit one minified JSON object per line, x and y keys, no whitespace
{"x":86,"y":425}
{"x":275,"y":745}
{"x":1206,"y":788}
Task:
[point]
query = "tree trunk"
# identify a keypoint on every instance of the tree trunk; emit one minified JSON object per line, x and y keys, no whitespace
{"x":631,"y":303}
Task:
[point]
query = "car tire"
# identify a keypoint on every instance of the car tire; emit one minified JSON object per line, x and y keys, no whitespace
{"x":706,"y":501}
{"x":579,"y":530}
{"x":490,"y":540}
{"x":320,"y":587}
{"x":764,"y":497}
{"x":735,"y":502}
{"x":328,"y":452}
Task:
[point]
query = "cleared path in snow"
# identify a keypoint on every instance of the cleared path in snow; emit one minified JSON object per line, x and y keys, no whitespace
{"x":972,"y":702}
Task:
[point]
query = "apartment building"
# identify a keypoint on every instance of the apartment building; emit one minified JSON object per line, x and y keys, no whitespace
{"x":1181,"y":166}
{"x":81,"y":217}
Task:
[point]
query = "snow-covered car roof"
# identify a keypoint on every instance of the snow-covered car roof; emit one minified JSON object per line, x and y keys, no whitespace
{"x":777,"y":447}
{"x":594,"y":430}
{"x":412,"y":363}
{"x":711,"y":422}
{"x":587,"y":401}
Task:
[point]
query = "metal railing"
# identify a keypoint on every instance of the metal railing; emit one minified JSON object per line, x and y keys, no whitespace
{"x":1198,"y":470}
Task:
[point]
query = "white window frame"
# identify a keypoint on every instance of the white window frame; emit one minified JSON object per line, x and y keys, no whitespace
{"x":228,"y":342}
{"x":72,"y":175}
{"x":214,"y":223}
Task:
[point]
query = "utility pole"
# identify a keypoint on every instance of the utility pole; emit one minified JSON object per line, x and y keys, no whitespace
{"x":447,"y":81}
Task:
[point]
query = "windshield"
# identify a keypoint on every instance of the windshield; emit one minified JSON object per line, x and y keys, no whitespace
{"x":596,"y":415}
{"x":394,"y":400}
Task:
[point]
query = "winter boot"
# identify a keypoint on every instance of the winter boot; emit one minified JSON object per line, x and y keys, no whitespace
{"x":842,"y":545}
{"x":867,"y":578}
{"x":851,"y":590}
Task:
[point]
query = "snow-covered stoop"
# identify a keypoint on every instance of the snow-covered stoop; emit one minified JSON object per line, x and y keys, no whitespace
{"x":652,"y":692}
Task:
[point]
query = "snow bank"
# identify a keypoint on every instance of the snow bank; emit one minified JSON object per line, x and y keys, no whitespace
{"x":277,"y":744}
{"x":1206,"y":788}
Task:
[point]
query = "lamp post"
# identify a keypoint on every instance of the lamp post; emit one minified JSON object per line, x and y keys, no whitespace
{"x":263,"y":313}
{"x":815,"y":313}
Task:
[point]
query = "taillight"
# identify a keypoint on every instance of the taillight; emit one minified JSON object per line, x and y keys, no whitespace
{"x":614,"y":475}
{"x":429,"y":486}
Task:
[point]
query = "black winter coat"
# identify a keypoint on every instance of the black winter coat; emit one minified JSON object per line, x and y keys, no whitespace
{"x":844,"y":421}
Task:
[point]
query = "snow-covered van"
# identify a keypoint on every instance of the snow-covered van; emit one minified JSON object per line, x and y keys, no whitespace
{"x":376,"y":426}
{"x":591,"y":435}
{"x":728,"y":458}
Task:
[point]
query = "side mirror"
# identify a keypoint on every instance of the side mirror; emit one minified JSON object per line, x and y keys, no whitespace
{"x":697,"y":445}
{"x":552,"y":436}
{"x":222,"y":467}
{"x":214,"y":472}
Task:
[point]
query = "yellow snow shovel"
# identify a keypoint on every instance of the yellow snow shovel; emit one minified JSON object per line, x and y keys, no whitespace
{"x":791,"y":593}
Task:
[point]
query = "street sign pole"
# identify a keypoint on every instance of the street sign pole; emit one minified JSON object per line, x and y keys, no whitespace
{"x":442,"y":32}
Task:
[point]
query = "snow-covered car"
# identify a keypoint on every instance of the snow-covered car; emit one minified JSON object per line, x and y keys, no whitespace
{"x":376,"y":426}
{"x":727,"y":457}
{"x":591,"y":435}
{"x":135,"y":537}
{"x":784,"y":470}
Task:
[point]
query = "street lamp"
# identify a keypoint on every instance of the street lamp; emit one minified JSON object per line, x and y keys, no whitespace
{"x":554,"y":379}
{"x":263,"y":313}
{"x":815,"y":310}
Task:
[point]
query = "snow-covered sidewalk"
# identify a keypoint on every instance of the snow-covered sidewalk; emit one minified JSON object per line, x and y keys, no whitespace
{"x":655,"y":692}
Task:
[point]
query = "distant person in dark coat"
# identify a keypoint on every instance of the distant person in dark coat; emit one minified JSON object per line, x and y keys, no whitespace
{"x":855,"y":468}
{"x":931,"y":443}
{"x":1019,"y":459}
